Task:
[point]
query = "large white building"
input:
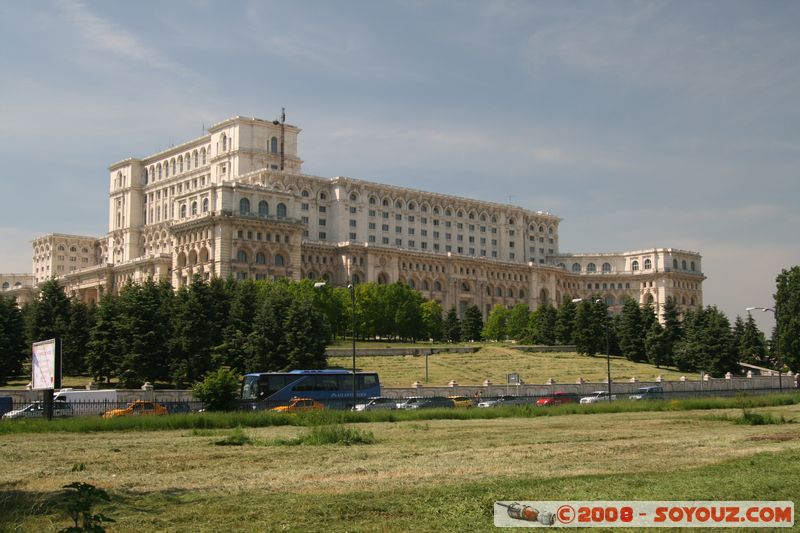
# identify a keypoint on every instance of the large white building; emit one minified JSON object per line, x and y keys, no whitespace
{"x":235,"y":202}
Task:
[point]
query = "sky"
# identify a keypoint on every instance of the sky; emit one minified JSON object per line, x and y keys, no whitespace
{"x":640,"y":124}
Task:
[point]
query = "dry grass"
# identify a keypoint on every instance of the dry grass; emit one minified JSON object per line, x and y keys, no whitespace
{"x":494,"y":361}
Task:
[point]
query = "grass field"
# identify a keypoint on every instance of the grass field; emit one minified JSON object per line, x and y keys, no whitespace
{"x":494,"y":361}
{"x":431,"y":475}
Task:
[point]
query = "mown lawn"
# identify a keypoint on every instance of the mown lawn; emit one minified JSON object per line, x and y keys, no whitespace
{"x":425,"y":475}
{"x":495,"y":361}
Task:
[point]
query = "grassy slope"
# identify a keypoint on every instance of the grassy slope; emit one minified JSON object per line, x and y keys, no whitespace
{"x":494,"y":361}
{"x":436,"y":475}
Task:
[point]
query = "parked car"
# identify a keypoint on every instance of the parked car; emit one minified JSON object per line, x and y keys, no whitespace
{"x":377,"y":404}
{"x":648,"y":393}
{"x":598,"y":396}
{"x":175,"y":408}
{"x":36,"y":410}
{"x":430,"y":402}
{"x":462,"y":402}
{"x":507,"y":400}
{"x":299,"y":405}
{"x":137,"y":408}
{"x":558,"y":398}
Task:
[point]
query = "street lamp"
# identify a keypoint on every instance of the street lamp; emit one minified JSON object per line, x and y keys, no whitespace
{"x":352,"y":288}
{"x":608,"y":348}
{"x":777,"y":353}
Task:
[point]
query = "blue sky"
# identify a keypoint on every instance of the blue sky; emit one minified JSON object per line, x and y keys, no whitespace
{"x":641,"y":124}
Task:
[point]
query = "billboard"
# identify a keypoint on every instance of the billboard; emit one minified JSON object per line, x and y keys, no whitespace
{"x":45,"y":365}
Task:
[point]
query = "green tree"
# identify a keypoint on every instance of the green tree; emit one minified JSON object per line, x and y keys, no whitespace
{"x":590,"y":330}
{"x":565,"y":322}
{"x":233,"y":349}
{"x":452,"y":326}
{"x":266,"y":344}
{"x":657,"y":346}
{"x":49,"y":317}
{"x":432,"y":319}
{"x":752,"y":344}
{"x":496,"y":327}
{"x":218,"y":389}
{"x":472,"y":325}
{"x":517,"y":322}
{"x":786,"y":336}
{"x":76,"y":338}
{"x":631,"y":333}
{"x":542,"y":325}
{"x":192,"y":333}
{"x":13,"y":347}
{"x":305,"y":335}
{"x":103,"y":353}
{"x":707,"y":344}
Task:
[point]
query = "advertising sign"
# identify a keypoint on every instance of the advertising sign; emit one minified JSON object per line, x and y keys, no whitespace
{"x":45,"y":365}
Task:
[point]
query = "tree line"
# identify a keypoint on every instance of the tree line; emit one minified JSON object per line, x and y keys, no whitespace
{"x":150,"y":332}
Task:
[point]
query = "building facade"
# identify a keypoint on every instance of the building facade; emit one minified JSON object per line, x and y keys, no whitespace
{"x":235,"y":202}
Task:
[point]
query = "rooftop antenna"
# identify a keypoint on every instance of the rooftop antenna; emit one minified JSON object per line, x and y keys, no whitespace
{"x":283,"y":127}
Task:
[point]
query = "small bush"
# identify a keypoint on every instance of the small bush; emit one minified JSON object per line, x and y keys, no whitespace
{"x":218,"y":390}
{"x":237,"y":438}
{"x":330,"y":434}
{"x":749,"y":418}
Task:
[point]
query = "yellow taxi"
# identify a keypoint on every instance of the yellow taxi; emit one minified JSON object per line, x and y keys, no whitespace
{"x":137,"y":408}
{"x":299,"y":405}
{"x":462,"y":402}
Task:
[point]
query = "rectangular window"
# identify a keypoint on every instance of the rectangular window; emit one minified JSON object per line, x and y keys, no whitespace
{"x":460,"y":225}
{"x":322,"y":209}
{"x":436,"y":247}
{"x":424,"y":245}
{"x":305,"y":233}
{"x":352,"y":223}
{"x":494,"y":253}
{"x":322,"y":222}
{"x":460,"y":238}
{"x":483,"y":253}
{"x":483,"y":229}
{"x":371,"y":225}
{"x":550,"y":250}
{"x":398,"y":229}
{"x":411,"y":231}
{"x":511,"y":232}
{"x":352,"y":236}
{"x":352,"y":209}
{"x":304,"y":207}
{"x":410,"y":244}
{"x":447,"y":224}
{"x":322,"y":235}
{"x":424,"y":220}
{"x":541,"y":250}
{"x":304,"y":219}
{"x":398,"y":216}
{"x":385,"y":214}
{"x":472,"y":227}
{"x":471,"y":239}
{"x":494,"y":230}
{"x":435,"y":234}
{"x":448,"y":248}
{"x":372,"y":212}
{"x":398,"y":242}
{"x":511,"y":244}
{"x":435,"y":222}
{"x":424,"y":232}
{"x":472,"y":251}
{"x":411,"y":218}
{"x":385,"y":240}
{"x":384,"y":227}
{"x":511,"y":255}
{"x":460,"y":249}
{"x":372,"y":238}
{"x":483,"y":240}
{"x":494,"y":242}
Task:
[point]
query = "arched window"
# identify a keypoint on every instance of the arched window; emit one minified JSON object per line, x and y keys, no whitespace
{"x":373,"y":200}
{"x":194,"y":154}
{"x":510,"y":292}
{"x":281,"y":210}
{"x":488,"y":291}
{"x":194,"y":208}
{"x":411,"y":206}
{"x":464,"y":286}
{"x":691,"y":266}
{"x":437,"y":286}
{"x":499,"y":292}
{"x":412,"y":284}
{"x":353,"y":197}
{"x":173,"y":166}
{"x":183,"y":210}
{"x":273,"y":145}
{"x":304,"y":194}
{"x":261,"y":259}
{"x":180,"y":164}
{"x":205,"y":205}
{"x":224,"y":142}
{"x":203,"y":155}
{"x":448,"y":212}
{"x":609,"y":301}
{"x":244,"y":206}
{"x":158,"y":170}
{"x":634,"y":265}
{"x":591,"y":267}
{"x":356,"y":279}
{"x":675,"y":264}
{"x":606,"y":267}
{"x":166,"y":169}
{"x":648,"y":264}
{"x":511,"y":221}
{"x":323,"y":196}
{"x":263,"y":208}
{"x":279,"y":261}
{"x":522,"y":293}
{"x":398,"y":204}
{"x":683,"y":264}
{"x":649,"y":299}
{"x":425,"y":285}
{"x":576,"y":267}
{"x":6,"y":285}
{"x":692,"y":301}
{"x":145,"y":176}
{"x":241,"y":256}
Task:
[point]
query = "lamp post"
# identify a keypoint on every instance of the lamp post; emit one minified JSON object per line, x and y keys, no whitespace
{"x":777,"y":354}
{"x":608,"y":348}
{"x":352,"y":288}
